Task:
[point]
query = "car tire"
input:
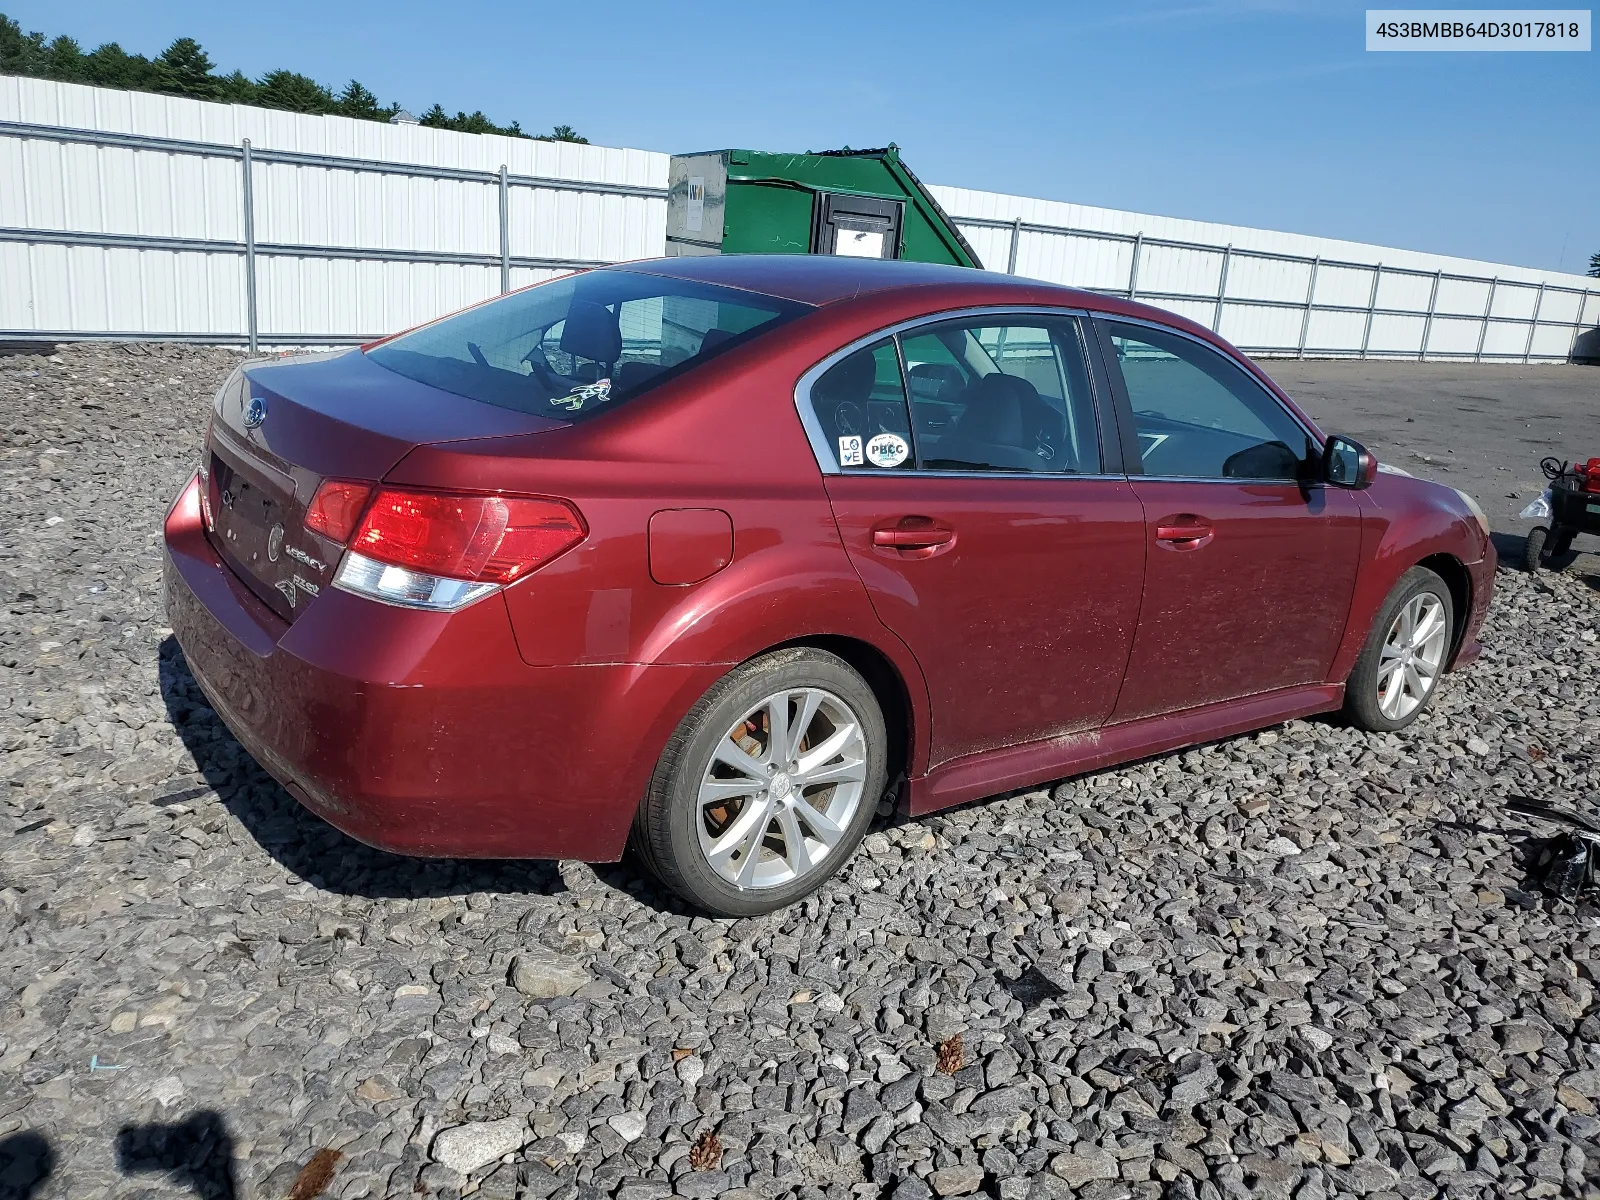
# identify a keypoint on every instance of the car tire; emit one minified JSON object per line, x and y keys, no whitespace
{"x":726,"y":823}
{"x":1407,"y":649}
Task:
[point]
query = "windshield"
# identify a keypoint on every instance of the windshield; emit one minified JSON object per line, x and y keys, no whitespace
{"x":581,"y":344}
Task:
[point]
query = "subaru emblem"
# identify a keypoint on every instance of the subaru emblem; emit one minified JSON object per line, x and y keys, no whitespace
{"x":255,"y":412}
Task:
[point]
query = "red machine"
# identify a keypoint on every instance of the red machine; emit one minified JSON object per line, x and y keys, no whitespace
{"x":1571,"y":505}
{"x":1588,"y":474}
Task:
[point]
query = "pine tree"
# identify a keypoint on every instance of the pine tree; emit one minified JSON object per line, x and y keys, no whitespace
{"x":476,"y":122}
{"x":238,"y":88}
{"x":184,"y":69}
{"x":21,"y":53}
{"x":64,"y":60}
{"x":1594,"y":265}
{"x":293,"y":92}
{"x":356,"y":101}
{"x":112,"y":66}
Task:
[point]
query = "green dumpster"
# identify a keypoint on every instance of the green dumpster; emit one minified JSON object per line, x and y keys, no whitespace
{"x":864,"y":203}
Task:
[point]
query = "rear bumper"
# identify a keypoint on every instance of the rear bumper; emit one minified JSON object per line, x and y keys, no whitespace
{"x":423,"y":733}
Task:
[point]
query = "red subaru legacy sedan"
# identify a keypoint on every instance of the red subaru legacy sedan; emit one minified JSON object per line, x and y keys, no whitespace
{"x":711,"y":554}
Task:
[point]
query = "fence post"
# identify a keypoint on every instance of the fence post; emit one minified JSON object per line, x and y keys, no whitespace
{"x":1222,"y":288}
{"x":1311,"y":291}
{"x":1372,"y":307}
{"x":1577,"y":325}
{"x":1427,"y":326}
{"x":1483,"y":334}
{"x":250,"y":249}
{"x":505,"y":232}
{"x":1016,"y":238}
{"x":1133,"y":268}
{"x":1533,"y":325}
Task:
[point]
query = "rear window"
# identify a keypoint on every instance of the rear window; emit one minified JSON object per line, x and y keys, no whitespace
{"x":582,"y":344}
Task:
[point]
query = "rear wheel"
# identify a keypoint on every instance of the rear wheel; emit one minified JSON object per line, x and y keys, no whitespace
{"x":767,"y":785}
{"x":1399,"y":668}
{"x":1552,"y":551}
{"x":1559,"y":554}
{"x":1533,"y":550}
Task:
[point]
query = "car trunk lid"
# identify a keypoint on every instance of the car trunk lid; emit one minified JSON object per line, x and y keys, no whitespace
{"x":278,"y":429}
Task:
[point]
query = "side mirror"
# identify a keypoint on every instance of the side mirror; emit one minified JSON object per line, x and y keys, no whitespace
{"x":1347,"y":463}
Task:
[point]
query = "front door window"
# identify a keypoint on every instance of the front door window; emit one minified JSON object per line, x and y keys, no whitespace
{"x":1200,"y":415}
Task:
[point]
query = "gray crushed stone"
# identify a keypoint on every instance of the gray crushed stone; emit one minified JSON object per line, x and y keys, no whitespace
{"x":1352,"y":990}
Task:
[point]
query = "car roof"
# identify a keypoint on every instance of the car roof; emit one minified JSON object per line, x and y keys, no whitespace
{"x":826,"y":279}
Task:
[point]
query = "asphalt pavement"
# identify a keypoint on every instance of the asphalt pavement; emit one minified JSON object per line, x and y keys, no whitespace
{"x":1480,"y":427}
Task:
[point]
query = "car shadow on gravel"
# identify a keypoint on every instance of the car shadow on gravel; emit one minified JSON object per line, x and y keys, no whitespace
{"x":310,"y":848}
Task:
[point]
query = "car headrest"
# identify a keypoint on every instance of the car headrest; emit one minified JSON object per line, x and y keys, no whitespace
{"x":715,"y":338}
{"x":849,"y":380}
{"x":997,"y":410}
{"x":933,"y":381}
{"x":591,"y":332}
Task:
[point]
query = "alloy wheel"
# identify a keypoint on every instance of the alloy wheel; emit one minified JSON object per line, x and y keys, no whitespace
{"x":781,"y":789}
{"x":1412,"y":656}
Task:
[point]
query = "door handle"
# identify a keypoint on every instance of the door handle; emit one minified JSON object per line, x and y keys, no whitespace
{"x":914,"y":537}
{"x":1184,"y":532}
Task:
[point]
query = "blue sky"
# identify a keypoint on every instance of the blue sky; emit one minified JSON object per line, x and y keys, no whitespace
{"x":1256,"y":112}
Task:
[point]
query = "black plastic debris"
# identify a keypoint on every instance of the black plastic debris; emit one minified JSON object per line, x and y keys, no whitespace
{"x":1033,"y":987}
{"x":1569,"y":863}
{"x":1134,"y":1062}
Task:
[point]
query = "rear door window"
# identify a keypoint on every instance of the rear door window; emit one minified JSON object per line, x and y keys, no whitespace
{"x":583,"y":344}
{"x":1002,"y":395}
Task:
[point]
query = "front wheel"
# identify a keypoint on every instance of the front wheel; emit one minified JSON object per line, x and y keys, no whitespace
{"x":767,"y":785}
{"x":1399,"y":668}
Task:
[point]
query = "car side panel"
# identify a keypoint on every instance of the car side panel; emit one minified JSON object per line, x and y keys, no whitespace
{"x":1260,"y":606}
{"x":1404,"y":522}
{"x":1023,"y":623}
{"x":733,"y":442}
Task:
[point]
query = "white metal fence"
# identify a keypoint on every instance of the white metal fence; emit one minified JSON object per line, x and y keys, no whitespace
{"x":127,"y":215}
{"x":1287,"y":294}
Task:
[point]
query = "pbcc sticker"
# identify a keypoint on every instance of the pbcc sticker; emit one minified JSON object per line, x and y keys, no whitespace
{"x":887,"y":450}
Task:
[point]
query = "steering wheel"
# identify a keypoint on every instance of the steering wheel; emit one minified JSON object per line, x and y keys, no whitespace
{"x":544,"y":373}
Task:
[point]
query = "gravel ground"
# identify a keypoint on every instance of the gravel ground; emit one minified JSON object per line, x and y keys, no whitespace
{"x":1298,"y":964}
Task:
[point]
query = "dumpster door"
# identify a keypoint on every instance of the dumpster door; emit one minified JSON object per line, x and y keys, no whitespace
{"x":857,"y":226}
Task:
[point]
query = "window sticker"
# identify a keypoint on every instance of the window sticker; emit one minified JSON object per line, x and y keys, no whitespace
{"x":888,"y":450}
{"x":598,"y":391}
{"x":850,"y":451}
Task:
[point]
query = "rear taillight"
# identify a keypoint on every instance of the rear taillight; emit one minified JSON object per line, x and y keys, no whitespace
{"x":444,"y":550}
{"x":336,"y":507}
{"x":208,"y":518}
